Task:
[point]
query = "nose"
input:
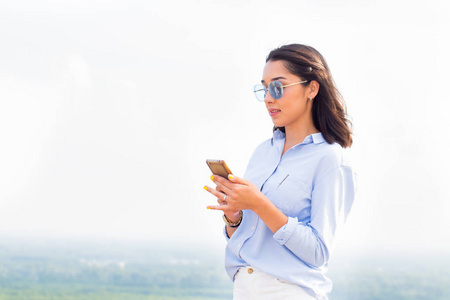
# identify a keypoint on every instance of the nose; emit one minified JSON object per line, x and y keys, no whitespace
{"x":268,"y":99}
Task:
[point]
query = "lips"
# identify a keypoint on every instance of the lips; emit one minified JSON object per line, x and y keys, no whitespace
{"x":273,"y":111}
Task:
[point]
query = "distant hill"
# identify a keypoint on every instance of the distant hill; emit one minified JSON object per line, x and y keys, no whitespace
{"x":112,"y":269}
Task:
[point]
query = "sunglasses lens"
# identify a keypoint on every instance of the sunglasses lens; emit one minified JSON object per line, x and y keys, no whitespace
{"x":276,"y":90}
{"x":260,"y":92}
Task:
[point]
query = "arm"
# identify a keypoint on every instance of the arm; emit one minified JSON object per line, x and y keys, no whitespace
{"x":331,"y":200}
{"x":233,"y":217}
{"x":242,"y":194}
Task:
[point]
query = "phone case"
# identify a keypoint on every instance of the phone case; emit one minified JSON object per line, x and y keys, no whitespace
{"x":218,"y":167}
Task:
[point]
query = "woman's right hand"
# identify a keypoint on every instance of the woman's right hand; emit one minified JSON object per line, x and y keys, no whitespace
{"x":232,"y":215}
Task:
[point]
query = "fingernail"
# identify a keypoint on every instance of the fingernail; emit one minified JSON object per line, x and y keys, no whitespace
{"x":205,"y":187}
{"x":230,"y":176}
{"x":212,"y":177}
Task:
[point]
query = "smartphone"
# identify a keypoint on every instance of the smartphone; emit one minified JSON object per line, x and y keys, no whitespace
{"x":218,"y":167}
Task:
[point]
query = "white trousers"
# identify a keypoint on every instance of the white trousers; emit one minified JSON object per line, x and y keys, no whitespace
{"x":250,"y":283}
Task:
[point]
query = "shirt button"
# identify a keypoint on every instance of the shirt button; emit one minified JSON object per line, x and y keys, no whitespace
{"x":239,"y":245}
{"x":250,"y":270}
{"x":253,"y":227}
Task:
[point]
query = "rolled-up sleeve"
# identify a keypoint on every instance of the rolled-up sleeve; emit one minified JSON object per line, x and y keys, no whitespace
{"x":331,"y":200}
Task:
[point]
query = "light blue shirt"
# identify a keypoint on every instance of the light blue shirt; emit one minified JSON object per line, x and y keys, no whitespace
{"x":314,"y":186}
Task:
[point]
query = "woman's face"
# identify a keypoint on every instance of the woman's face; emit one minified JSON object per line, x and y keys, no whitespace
{"x":294,"y":107}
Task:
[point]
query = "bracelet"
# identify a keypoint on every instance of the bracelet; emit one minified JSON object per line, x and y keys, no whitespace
{"x":231,"y":224}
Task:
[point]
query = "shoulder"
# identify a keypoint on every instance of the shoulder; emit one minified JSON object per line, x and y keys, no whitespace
{"x":333,"y":154}
{"x":262,"y":150}
{"x":267,"y":144}
{"x":332,"y":157}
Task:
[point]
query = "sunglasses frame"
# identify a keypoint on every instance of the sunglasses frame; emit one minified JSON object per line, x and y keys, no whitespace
{"x":269,"y":89}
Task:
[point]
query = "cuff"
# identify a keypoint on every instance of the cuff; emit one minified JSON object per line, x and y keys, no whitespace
{"x":284,"y":233}
{"x":225,"y":233}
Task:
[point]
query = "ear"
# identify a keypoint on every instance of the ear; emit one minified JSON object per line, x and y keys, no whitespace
{"x":313,"y":89}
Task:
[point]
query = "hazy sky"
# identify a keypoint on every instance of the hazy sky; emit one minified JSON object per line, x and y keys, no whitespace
{"x":108,"y":110}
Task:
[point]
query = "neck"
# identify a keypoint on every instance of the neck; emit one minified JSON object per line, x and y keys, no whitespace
{"x":296,"y":133}
{"x":298,"y":136}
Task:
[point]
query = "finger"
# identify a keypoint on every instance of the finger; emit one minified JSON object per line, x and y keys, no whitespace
{"x":222,"y":188}
{"x":223,"y":181}
{"x":217,"y":207}
{"x":219,"y":195}
{"x":234,"y":179}
{"x":220,"y":199}
{"x":221,"y":202}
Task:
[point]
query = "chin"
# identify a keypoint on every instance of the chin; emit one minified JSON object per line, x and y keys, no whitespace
{"x":279,"y":124}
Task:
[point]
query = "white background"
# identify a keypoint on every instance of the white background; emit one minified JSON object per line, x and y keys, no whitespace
{"x":108,"y":110}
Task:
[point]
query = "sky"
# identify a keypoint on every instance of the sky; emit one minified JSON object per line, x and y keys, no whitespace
{"x":109,"y":109}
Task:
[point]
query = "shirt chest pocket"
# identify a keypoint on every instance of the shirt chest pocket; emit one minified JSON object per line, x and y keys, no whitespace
{"x":289,"y":193}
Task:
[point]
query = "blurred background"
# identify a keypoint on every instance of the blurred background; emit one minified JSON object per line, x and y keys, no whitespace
{"x":109,"y":109}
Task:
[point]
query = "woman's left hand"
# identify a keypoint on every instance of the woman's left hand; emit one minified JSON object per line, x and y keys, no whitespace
{"x":240,"y":194}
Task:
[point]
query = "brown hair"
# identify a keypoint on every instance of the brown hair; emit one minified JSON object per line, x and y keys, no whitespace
{"x":329,"y":111}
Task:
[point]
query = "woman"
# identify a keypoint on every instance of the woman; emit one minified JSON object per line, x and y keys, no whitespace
{"x":281,"y":220}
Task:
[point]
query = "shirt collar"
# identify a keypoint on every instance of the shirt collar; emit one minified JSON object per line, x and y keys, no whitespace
{"x":315,"y":138}
{"x":278,"y":135}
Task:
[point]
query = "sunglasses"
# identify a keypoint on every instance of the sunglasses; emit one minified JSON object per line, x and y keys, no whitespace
{"x":275,"y":90}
